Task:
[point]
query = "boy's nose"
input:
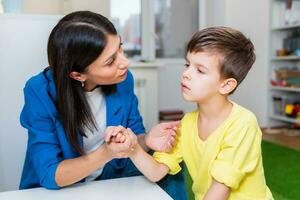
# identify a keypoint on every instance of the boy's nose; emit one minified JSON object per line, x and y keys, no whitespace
{"x":186,"y":75}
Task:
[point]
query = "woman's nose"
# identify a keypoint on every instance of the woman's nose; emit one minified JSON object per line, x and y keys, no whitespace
{"x":124,"y":62}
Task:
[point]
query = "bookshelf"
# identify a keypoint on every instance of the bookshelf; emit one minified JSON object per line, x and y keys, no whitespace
{"x":284,"y":22}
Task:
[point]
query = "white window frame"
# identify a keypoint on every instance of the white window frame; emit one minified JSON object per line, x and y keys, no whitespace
{"x":148,"y":28}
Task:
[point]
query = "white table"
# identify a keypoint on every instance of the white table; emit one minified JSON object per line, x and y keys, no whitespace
{"x":132,"y":188}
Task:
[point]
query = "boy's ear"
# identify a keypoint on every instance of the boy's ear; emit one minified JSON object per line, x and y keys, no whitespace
{"x":77,"y":76}
{"x":227,"y":86}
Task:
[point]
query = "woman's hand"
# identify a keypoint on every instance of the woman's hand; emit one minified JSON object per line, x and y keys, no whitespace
{"x":162,"y":137}
{"x":120,"y":142}
{"x":113,"y":133}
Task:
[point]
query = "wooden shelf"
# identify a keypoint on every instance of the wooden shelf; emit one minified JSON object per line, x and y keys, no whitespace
{"x":288,"y":89}
{"x":286,"y":27}
{"x":278,"y":31}
{"x":285,"y":119}
{"x":296,"y":58}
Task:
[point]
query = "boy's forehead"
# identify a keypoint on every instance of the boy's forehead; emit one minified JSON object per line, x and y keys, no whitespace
{"x":205,"y":58}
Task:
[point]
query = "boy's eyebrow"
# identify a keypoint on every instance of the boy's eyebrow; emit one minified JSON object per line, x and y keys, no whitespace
{"x":186,"y":59}
{"x":199,"y":65}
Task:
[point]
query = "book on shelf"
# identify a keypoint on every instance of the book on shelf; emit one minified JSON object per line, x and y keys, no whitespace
{"x":292,"y":12}
{"x":170,"y":112}
{"x":170,"y":115}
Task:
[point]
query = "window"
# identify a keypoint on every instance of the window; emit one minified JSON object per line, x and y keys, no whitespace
{"x":175,"y":23}
{"x":128,"y":24}
{"x":149,"y":28}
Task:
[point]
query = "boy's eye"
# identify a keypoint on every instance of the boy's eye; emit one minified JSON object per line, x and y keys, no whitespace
{"x":200,"y":71}
{"x":186,"y":65}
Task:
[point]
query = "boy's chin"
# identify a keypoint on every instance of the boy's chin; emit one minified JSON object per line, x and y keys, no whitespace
{"x":187,"y":98}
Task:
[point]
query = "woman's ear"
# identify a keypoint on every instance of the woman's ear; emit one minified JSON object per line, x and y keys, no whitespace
{"x":227,"y":86}
{"x":77,"y":76}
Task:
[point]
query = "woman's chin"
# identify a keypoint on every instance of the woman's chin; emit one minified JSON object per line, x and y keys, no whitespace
{"x":124,"y":76}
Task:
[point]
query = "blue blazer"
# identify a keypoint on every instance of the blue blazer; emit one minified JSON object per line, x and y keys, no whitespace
{"x":47,"y":142}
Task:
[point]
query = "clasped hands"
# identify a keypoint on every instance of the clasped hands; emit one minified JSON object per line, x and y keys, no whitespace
{"x":120,"y":142}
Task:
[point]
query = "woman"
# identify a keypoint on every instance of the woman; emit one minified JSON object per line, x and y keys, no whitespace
{"x":69,"y":107}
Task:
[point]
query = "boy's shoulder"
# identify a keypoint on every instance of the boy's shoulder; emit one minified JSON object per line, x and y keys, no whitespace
{"x":190,"y":116}
{"x":243,"y":115}
{"x":189,"y":120}
{"x":239,"y":115}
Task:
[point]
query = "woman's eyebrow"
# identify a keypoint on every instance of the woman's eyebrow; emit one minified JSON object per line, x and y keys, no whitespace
{"x":114,"y":54}
{"x":110,"y":57}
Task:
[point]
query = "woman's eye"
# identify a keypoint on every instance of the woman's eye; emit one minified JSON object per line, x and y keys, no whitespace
{"x":111,"y":62}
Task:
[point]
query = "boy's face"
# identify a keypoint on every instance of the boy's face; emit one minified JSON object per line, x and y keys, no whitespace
{"x":201,"y":79}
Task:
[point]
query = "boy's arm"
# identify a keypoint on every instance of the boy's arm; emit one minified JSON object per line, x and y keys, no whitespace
{"x":217,"y":191}
{"x":152,"y":169}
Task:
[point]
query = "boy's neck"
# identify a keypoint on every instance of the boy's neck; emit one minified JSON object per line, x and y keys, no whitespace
{"x":215,"y":108}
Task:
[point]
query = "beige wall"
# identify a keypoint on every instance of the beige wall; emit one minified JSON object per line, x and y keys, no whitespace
{"x":55,"y":7}
{"x":98,"y":6}
{"x":252,"y":18}
{"x":60,"y":7}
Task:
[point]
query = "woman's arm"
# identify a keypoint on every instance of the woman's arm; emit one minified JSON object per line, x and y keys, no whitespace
{"x":73,"y":170}
{"x":152,"y":169}
{"x":217,"y":191}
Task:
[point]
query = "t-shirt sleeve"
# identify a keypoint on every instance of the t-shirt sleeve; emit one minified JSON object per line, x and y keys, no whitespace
{"x":239,"y":155}
{"x":173,"y":158}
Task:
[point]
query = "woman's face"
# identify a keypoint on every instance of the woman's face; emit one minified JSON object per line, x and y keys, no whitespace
{"x":109,"y":68}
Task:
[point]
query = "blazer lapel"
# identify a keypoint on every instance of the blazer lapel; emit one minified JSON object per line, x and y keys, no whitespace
{"x":114,"y":116}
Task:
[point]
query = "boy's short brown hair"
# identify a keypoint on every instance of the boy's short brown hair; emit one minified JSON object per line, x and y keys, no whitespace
{"x":236,"y":50}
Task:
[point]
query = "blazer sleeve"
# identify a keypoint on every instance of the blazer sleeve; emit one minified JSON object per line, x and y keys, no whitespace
{"x":43,"y":145}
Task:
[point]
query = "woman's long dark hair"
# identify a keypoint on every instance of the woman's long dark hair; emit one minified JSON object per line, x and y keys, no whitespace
{"x":75,"y":42}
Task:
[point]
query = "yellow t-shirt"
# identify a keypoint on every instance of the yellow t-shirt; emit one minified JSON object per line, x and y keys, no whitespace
{"x":230,"y":155}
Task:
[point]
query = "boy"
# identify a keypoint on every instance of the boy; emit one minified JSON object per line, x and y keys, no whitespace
{"x":220,"y":142}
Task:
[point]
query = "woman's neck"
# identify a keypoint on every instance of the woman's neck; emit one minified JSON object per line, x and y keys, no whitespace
{"x":88,"y":87}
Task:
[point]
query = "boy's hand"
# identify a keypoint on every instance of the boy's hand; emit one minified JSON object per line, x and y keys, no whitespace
{"x":162,"y":137}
